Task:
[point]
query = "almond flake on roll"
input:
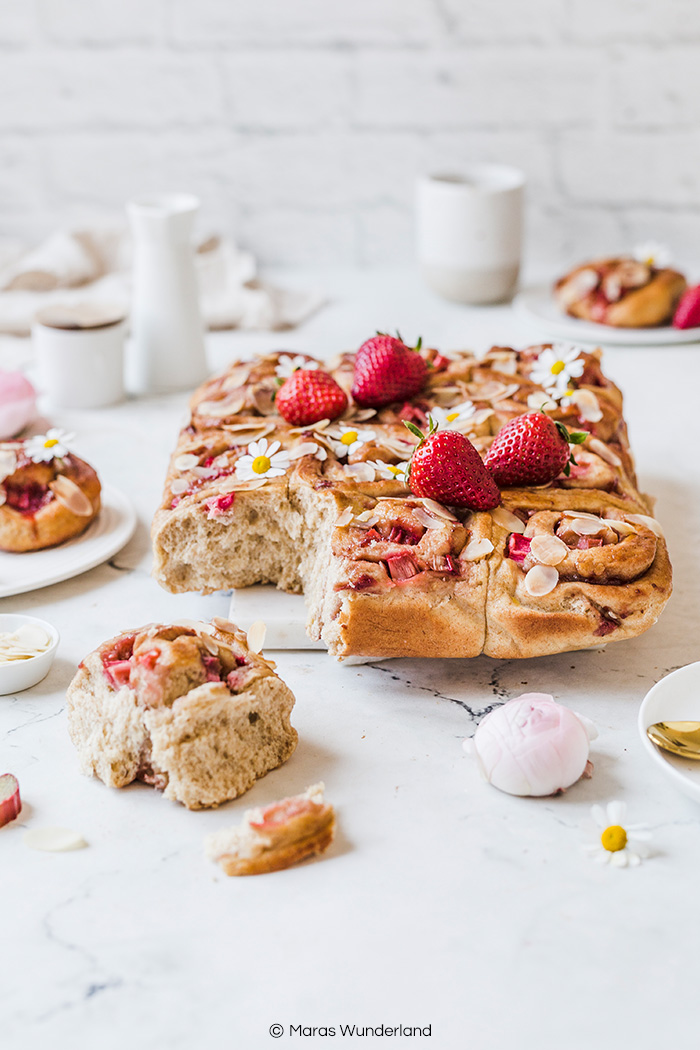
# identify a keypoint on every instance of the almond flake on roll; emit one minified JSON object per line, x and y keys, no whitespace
{"x":507,"y":520}
{"x":360,"y":471}
{"x":434,"y":507}
{"x":256,"y":636}
{"x":622,"y":528}
{"x":477,"y":548}
{"x":588,"y":405}
{"x":586,"y":526}
{"x":178,"y":486}
{"x":540,"y":580}
{"x":186,"y":461}
{"x":601,"y":449}
{"x":344,"y":518}
{"x":70,"y":496}
{"x":646,"y":519}
{"x":429,"y":521}
{"x":548,"y":550}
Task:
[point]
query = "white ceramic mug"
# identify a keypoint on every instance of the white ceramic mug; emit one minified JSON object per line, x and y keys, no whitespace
{"x":80,"y":354}
{"x":469,"y":229}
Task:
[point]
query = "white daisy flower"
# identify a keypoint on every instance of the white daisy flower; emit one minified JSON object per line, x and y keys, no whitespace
{"x":349,"y":441}
{"x":455,"y":418}
{"x":262,"y":461}
{"x":42,"y":448}
{"x":390,"y":471}
{"x":556,"y":367}
{"x":618,"y":843}
{"x":653,"y":254}
{"x":288,"y":364}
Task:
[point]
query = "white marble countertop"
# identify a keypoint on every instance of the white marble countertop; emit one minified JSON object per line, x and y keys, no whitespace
{"x":442,"y":902}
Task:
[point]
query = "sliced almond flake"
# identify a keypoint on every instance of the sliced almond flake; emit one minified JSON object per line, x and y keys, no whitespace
{"x":400,"y":449}
{"x":245,"y":486}
{"x":209,"y":643}
{"x":622,"y":528}
{"x":186,"y":461}
{"x":508,"y":391}
{"x":580,"y":514}
{"x":539,"y":400}
{"x":366,"y":523}
{"x":601,"y":449}
{"x":437,"y":508}
{"x":540,"y":580}
{"x":479,"y":417}
{"x":220,"y":409}
{"x":73,"y":498}
{"x":234,"y":428}
{"x":503,"y":362}
{"x":227,"y":626}
{"x":179,"y":485}
{"x":578,"y":286}
{"x":507,"y":520}
{"x":204,"y":472}
{"x":344,"y":518}
{"x":236,"y":377}
{"x":361,"y":415}
{"x":588,"y":405}
{"x":8,"y":463}
{"x":586,"y":526}
{"x":646,"y":519}
{"x":446,"y":396}
{"x":477,"y":548}
{"x":428,"y":520}
{"x":320,"y":425}
{"x":548,"y":550}
{"x":360,"y":471}
{"x":256,"y":636}
{"x":366,"y":515}
{"x":306,"y":448}
{"x":491,"y":390}
{"x":54,"y":840}
{"x":3,"y":496}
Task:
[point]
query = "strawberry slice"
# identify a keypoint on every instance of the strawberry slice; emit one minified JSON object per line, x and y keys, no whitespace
{"x":446,"y":467}
{"x":687,"y":313}
{"x":309,"y":396}
{"x":10,"y":802}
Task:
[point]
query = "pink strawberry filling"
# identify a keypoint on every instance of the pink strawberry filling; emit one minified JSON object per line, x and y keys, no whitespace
{"x":518,"y":547}
{"x":413,"y":414}
{"x":116,"y":662}
{"x":28,"y":499}
{"x":219,"y":504}
{"x":605,"y":627}
{"x":278,"y":814}
{"x":400,"y":535}
{"x":212,"y":666}
{"x":402,"y":567}
{"x":362,"y":582}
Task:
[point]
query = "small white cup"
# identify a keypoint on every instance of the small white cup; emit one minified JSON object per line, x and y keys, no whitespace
{"x":80,"y":354}
{"x":469,"y":230}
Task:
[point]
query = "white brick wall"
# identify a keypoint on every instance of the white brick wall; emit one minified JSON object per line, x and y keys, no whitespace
{"x":303,"y":123}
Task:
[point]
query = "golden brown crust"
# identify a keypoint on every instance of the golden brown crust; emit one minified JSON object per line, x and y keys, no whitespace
{"x":41,"y":500}
{"x":626,"y":294}
{"x":390,"y":579}
{"x":282,"y":834}
{"x":187,"y":708}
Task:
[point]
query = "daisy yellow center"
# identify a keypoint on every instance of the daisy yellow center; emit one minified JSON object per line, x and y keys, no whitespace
{"x":260,"y":465}
{"x":649,"y":260}
{"x":569,"y":391}
{"x":557,"y":367}
{"x":451,"y":416}
{"x":349,"y":437}
{"x":614,"y":838}
{"x":394,"y":470}
{"x":50,"y":442}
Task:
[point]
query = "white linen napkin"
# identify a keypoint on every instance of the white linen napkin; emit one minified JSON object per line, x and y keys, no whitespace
{"x":95,"y":265}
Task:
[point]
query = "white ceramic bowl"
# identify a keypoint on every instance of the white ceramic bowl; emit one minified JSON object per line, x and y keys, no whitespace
{"x":22,"y":674}
{"x":676,"y":698}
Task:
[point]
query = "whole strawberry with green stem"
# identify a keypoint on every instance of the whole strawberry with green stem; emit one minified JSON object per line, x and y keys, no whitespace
{"x":308,"y":396}
{"x":446,"y":467}
{"x":532,"y":449}
{"x":387,"y":370}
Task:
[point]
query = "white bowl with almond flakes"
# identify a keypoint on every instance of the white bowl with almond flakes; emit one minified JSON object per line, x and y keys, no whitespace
{"x":27,"y":649}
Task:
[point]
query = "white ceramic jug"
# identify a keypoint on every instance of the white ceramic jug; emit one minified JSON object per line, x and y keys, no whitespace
{"x":167,"y":349}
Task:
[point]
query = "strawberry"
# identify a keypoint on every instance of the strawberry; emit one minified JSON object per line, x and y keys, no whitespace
{"x":308,"y":396}
{"x":531,"y":450}
{"x":446,"y":467}
{"x":387,"y":370}
{"x":687,"y":313}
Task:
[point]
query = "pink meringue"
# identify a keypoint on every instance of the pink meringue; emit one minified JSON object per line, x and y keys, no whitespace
{"x":17,"y":403}
{"x":533,"y":746}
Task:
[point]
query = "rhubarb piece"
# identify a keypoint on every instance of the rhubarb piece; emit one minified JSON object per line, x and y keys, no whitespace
{"x":687,"y":313}
{"x":275,"y":837}
{"x":10,"y":802}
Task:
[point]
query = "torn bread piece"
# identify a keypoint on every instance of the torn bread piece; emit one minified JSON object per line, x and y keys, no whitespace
{"x":191,"y":708}
{"x":275,"y":837}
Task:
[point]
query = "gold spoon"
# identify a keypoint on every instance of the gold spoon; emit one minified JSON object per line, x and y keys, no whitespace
{"x":680,"y":738}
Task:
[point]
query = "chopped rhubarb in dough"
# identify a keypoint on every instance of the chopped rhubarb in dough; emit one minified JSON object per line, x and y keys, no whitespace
{"x":10,"y":802}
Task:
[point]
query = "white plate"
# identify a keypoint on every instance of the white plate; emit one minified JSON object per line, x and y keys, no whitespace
{"x":108,"y":533}
{"x":539,"y":306}
{"x":676,"y":698}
